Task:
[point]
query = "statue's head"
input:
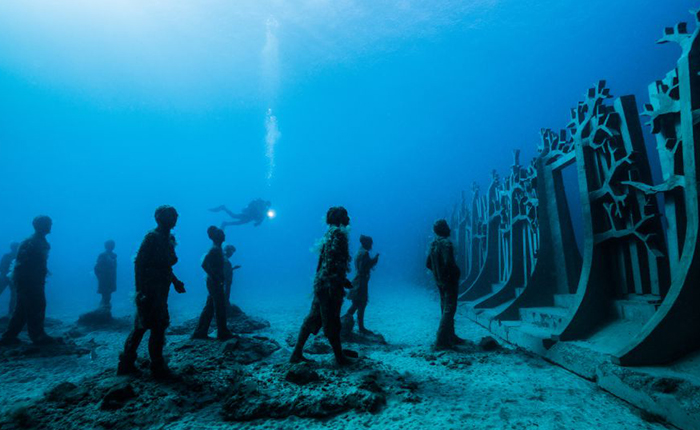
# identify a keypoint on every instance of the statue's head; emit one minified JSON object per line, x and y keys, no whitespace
{"x":366,"y":242}
{"x":441,"y":228}
{"x":216,"y":235}
{"x":229,"y":250}
{"x":109,"y":245}
{"x":337,"y":216}
{"x":166,"y":217}
{"x":42,"y":224}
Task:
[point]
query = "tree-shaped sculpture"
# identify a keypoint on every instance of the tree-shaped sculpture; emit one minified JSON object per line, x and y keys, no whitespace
{"x":622,"y":234}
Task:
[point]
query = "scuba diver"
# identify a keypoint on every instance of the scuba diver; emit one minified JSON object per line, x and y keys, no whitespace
{"x":5,"y":269}
{"x":255,"y":212}
{"x":329,"y":288}
{"x":359,"y":294}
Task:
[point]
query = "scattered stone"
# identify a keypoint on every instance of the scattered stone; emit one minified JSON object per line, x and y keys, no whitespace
{"x":363,"y":338}
{"x":102,"y":319}
{"x":316,"y":346}
{"x":370,"y":383}
{"x":301,"y":374}
{"x":233,"y":312}
{"x":117,"y":397}
{"x":21,"y":417}
{"x":251,"y":406}
{"x":65,"y":393}
{"x":487,"y":343}
{"x":667,"y":385}
{"x":246,"y":350}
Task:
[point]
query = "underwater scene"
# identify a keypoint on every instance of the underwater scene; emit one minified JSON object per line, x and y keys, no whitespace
{"x":350,"y":214}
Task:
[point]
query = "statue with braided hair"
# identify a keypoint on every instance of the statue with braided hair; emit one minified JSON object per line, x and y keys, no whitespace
{"x":329,"y":287}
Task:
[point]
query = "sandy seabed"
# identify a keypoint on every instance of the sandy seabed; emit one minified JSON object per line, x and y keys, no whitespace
{"x":467,"y":389}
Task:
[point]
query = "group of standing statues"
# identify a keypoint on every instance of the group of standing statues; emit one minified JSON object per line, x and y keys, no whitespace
{"x":24,"y":270}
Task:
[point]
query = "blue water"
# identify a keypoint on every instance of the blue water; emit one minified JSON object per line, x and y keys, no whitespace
{"x":111,"y":108}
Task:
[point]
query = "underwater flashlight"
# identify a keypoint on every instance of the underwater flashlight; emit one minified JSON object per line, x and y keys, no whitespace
{"x":271,"y":213}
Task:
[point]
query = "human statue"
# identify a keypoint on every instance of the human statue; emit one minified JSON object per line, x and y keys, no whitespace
{"x":329,"y":287}
{"x":441,"y":261}
{"x":229,"y":268}
{"x":214,"y":266}
{"x":106,"y":273}
{"x":6,"y":263}
{"x":255,"y":212}
{"x":359,"y":293}
{"x":29,"y":280}
{"x":153,"y":269}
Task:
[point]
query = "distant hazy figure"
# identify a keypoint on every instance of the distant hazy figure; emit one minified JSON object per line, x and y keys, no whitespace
{"x":329,"y":284}
{"x":29,"y":279}
{"x":256,"y":212}
{"x":154,"y":275}
{"x":106,"y":272}
{"x":214,"y":266}
{"x":441,"y":262}
{"x":5,"y":278}
{"x":359,"y":293}
{"x":229,"y":250}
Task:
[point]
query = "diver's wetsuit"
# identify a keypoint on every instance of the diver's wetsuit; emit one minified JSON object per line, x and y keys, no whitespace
{"x":255,"y":212}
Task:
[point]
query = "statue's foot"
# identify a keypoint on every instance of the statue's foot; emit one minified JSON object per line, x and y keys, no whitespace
{"x":299,"y":358}
{"x":443,"y":347}
{"x":127,"y":368}
{"x":365,"y":331}
{"x":45,"y":340}
{"x":458,"y":340}
{"x":224,"y":336}
{"x":9,"y":341}
{"x":161,"y":372}
{"x":200,"y":336}
{"x":344,"y":360}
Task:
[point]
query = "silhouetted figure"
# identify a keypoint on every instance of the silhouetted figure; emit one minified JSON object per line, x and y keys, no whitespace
{"x":359,"y":293}
{"x":213,"y":266}
{"x":329,"y":287}
{"x":106,"y":272}
{"x":29,"y":280}
{"x":255,"y":212}
{"x":229,"y":250}
{"x":441,"y":262}
{"x":5,"y":278}
{"x":154,"y":275}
